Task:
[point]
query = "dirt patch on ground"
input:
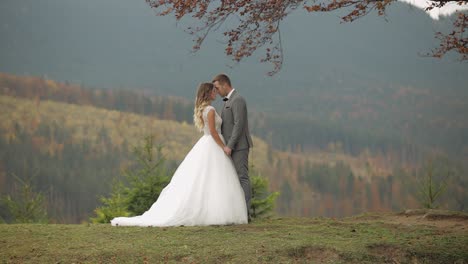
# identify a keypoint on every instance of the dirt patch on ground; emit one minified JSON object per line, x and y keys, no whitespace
{"x":437,"y":218}
{"x":313,"y":254}
{"x":387,"y":253}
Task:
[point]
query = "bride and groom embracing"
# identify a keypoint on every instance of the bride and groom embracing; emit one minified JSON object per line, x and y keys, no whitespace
{"x":211,"y":186}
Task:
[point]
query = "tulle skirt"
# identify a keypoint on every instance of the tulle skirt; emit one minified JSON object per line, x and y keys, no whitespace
{"x":204,"y":190}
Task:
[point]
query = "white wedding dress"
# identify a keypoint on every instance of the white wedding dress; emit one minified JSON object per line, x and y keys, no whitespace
{"x":204,"y":190}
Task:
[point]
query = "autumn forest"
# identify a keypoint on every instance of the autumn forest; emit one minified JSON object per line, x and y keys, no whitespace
{"x":357,"y":153}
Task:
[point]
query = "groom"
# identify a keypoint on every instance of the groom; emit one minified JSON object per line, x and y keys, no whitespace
{"x":235,"y":130}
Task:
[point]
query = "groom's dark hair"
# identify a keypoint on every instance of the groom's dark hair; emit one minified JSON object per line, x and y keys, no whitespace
{"x":222,"y":78}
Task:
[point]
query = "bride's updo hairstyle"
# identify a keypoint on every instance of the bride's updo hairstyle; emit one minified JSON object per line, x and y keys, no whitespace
{"x":201,"y":101}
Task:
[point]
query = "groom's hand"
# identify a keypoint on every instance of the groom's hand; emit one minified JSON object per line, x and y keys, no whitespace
{"x":227,"y":150}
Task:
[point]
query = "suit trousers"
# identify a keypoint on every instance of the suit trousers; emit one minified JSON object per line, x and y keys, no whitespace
{"x":241,"y":163}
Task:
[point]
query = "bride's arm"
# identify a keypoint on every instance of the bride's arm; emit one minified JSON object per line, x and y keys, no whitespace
{"x":211,"y":126}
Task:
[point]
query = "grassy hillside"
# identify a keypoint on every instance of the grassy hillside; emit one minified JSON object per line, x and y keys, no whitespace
{"x":424,"y":237}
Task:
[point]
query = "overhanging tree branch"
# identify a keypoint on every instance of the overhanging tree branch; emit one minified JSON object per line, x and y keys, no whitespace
{"x":257,"y":23}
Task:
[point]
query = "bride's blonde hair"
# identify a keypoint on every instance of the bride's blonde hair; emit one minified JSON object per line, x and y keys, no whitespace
{"x":201,"y":101}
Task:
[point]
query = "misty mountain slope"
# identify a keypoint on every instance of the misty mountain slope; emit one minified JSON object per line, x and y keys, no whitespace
{"x":333,"y":72}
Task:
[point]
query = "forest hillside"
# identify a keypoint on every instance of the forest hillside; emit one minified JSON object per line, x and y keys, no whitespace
{"x":72,"y":141}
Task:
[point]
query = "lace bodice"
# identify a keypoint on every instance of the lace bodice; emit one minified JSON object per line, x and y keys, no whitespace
{"x":218,"y":121}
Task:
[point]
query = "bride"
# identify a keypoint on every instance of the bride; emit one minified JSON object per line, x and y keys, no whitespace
{"x":205,"y":189}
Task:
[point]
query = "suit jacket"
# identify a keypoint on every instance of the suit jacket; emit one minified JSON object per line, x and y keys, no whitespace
{"x":235,"y":126}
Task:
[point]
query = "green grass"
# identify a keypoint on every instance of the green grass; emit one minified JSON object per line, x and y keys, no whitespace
{"x":364,"y":239}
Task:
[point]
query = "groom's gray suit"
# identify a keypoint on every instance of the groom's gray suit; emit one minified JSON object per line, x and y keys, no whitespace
{"x":235,"y":130}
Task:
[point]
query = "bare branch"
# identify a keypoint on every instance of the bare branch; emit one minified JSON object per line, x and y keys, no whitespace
{"x":455,"y":41}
